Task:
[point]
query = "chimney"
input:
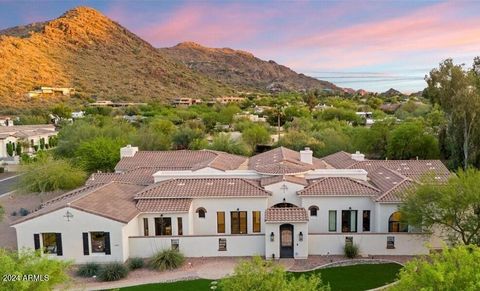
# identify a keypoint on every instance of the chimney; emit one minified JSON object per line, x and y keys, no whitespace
{"x":306,"y":156}
{"x":128,"y":151}
{"x":357,"y":156}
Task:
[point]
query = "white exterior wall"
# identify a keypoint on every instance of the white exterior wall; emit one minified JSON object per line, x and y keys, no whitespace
{"x":300,"y":248}
{"x":200,"y":246}
{"x":208,"y":225}
{"x":72,"y":234}
{"x":131,"y":229}
{"x":319,"y":224}
{"x":290,"y":194}
{"x":369,"y":244}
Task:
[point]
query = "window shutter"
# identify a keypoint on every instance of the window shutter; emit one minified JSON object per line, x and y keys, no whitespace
{"x":85,"y":244}
{"x":36,"y":241}
{"x":107,"y":244}
{"x":59,"y":244}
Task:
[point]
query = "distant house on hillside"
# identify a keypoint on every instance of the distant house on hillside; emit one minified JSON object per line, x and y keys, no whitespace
{"x":185,"y":102}
{"x":6,"y":121}
{"x":390,"y":107}
{"x":249,"y":116}
{"x":367,"y":117}
{"x":229,"y":99}
{"x":115,"y":104}
{"x":45,"y":91}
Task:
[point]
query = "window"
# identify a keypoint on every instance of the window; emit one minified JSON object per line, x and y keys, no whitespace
{"x":332,"y":220}
{"x":222,"y":244}
{"x":175,"y":244}
{"x":98,"y":242}
{"x":390,"y":242}
{"x":239,"y":222}
{"x":145,"y":226}
{"x":180,"y":226}
{"x":163,"y":226}
{"x":221,"y":222}
{"x":366,"y":220}
{"x":349,"y":220}
{"x":396,"y":224}
{"x":201,"y":212}
{"x":49,"y":241}
{"x":313,"y":210}
{"x":257,"y":224}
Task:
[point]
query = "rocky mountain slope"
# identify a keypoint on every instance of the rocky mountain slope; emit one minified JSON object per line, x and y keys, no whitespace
{"x":241,"y":69}
{"x":85,"y":50}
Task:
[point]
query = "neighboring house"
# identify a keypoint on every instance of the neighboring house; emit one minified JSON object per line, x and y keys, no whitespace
{"x":108,"y":103}
{"x":249,"y":116}
{"x":367,"y":117}
{"x":29,"y":137}
{"x":186,"y":102}
{"x":229,"y":99}
{"x":78,"y":114}
{"x":6,"y":120}
{"x":277,"y":204}
{"x":46,"y":91}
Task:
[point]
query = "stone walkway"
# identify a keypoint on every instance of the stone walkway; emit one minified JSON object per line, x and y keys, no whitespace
{"x":213,"y":268}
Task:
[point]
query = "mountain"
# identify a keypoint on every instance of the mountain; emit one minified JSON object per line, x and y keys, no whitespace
{"x":85,"y":50}
{"x":242,"y":70}
{"x":391,"y":92}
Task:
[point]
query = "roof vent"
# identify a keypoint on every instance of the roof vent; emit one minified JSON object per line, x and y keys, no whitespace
{"x":209,"y":183}
{"x":181,"y":184}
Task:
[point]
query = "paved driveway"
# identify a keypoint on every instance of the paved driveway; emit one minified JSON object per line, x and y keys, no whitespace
{"x":8,"y":184}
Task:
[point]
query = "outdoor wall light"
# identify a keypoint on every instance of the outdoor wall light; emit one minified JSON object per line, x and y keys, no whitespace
{"x":272,"y":236}
{"x":238,"y":209}
{"x":284,"y":199}
{"x":300,"y":236}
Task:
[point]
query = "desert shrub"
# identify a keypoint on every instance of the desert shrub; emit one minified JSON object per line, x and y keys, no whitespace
{"x":135,"y":263}
{"x":112,"y":272}
{"x":23,"y":212}
{"x":167,"y":260}
{"x":350,"y":250}
{"x":88,"y":270}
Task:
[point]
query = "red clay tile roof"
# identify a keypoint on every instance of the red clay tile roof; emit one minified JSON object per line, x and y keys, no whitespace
{"x":276,"y":179}
{"x":414,"y":169}
{"x":139,"y":176}
{"x":164,"y":205}
{"x":113,"y":200}
{"x":385,"y":179}
{"x":203,"y":188}
{"x":397,"y":193}
{"x":282,"y":161}
{"x":339,"y":186}
{"x":181,"y":160}
{"x":340,"y":160}
{"x":286,"y":214}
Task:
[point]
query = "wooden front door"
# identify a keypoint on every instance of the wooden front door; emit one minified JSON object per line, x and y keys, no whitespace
{"x":286,"y":241}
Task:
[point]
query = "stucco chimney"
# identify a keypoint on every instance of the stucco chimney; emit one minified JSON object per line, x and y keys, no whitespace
{"x":306,"y":156}
{"x":357,"y":156}
{"x":128,"y":151}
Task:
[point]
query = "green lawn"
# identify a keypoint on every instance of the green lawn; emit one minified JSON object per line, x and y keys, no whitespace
{"x":356,"y":277}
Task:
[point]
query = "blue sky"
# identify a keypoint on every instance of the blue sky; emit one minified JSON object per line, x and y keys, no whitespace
{"x":372,"y":45}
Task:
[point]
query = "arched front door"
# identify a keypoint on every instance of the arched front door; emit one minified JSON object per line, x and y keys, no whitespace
{"x":286,"y":241}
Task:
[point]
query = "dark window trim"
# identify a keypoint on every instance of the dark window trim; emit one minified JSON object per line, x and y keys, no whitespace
{"x":369,"y":220}
{"x":313,"y":210}
{"x":180,"y":225}
{"x":349,"y":220}
{"x":145,"y":227}
{"x":259,"y":229}
{"x":218,"y":224}
{"x":232,"y":213}
{"x":201,"y":212}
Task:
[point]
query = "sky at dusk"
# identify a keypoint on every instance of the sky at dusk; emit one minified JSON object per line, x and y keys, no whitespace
{"x":372,"y":45}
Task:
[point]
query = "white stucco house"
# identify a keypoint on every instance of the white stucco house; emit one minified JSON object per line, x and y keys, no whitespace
{"x":277,"y":204}
{"x":29,"y":137}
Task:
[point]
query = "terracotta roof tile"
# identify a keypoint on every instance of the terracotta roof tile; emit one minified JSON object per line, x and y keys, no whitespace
{"x":181,"y":160}
{"x":203,"y":187}
{"x":139,"y":176}
{"x":397,"y":193}
{"x":339,"y":186}
{"x":340,"y":160}
{"x":113,"y":200}
{"x":282,"y":160}
{"x":286,"y":214}
{"x":276,"y":179}
{"x":164,"y":205}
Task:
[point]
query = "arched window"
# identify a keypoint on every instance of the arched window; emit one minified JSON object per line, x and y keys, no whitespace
{"x":313,"y":210}
{"x":396,"y":224}
{"x":201,"y":212}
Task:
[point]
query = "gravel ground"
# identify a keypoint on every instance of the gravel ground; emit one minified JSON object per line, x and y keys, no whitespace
{"x":13,"y":202}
